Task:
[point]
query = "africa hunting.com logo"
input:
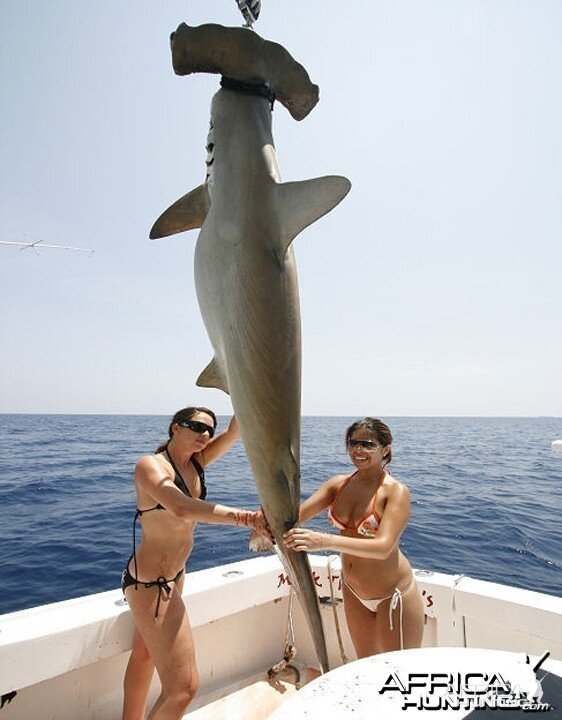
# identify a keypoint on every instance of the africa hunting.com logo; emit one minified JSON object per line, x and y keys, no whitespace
{"x":470,"y":690}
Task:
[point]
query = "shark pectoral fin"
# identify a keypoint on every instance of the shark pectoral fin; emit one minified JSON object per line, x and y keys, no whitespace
{"x":187,"y":213}
{"x":212,"y":377}
{"x":302,"y":203}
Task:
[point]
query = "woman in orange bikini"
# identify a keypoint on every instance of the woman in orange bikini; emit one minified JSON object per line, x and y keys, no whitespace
{"x":383,"y":605}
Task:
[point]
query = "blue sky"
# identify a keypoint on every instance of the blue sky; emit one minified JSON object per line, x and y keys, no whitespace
{"x":433,"y":289}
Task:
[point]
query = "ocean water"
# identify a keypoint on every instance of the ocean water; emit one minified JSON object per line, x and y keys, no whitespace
{"x":486,"y":498}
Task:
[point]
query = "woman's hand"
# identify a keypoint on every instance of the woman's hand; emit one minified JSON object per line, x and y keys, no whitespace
{"x":303,"y":540}
{"x":257,"y":521}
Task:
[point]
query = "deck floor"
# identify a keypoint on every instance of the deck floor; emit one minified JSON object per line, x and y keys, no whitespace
{"x":254,"y":698}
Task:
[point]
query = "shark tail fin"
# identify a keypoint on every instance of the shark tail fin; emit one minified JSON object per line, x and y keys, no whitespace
{"x":213,"y":377}
{"x":302,"y":203}
{"x":187,"y":213}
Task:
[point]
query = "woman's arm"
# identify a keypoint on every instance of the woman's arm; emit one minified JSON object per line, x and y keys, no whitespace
{"x":393,"y":522}
{"x":150,"y":477}
{"x":320,"y":499}
{"x":219,"y":445}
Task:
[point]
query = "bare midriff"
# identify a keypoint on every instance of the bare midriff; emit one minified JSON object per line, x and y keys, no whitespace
{"x":167,"y":542}
{"x":372,"y":578}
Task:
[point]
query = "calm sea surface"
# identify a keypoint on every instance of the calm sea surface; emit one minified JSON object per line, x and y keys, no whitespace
{"x":487,"y":498}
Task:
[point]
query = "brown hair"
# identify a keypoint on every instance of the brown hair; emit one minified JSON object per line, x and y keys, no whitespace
{"x":377,"y":428}
{"x":187,"y":413}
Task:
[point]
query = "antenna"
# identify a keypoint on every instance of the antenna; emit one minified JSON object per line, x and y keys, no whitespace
{"x":34,"y":244}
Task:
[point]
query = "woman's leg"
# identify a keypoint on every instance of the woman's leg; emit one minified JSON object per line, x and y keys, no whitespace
{"x":361,"y":624}
{"x":140,"y":670}
{"x":412,"y":622}
{"x":138,"y":676}
{"x":169,"y":642}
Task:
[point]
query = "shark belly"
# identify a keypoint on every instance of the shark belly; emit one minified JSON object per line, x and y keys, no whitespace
{"x":249,"y":303}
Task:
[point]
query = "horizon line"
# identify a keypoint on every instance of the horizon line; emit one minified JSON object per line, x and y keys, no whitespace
{"x":338,"y":415}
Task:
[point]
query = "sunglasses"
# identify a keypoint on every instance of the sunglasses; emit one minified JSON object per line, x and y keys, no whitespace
{"x":365,"y":444}
{"x":197,"y":427}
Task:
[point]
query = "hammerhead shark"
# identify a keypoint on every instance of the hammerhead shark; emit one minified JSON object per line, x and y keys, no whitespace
{"x":245,"y":271}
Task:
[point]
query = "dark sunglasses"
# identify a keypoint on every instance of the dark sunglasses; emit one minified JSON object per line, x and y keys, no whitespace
{"x":197,"y":427}
{"x":365,"y":444}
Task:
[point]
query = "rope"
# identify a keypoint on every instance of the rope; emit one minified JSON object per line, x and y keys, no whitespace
{"x":290,"y":633}
{"x":259,"y":89}
{"x":290,"y":649}
{"x":335,"y":610}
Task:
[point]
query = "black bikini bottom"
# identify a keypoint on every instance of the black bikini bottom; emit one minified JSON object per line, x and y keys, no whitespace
{"x":162,"y":583}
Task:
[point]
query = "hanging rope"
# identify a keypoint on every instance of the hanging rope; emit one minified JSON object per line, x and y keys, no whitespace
{"x":250,"y":9}
{"x":335,"y":609}
{"x":290,"y":649}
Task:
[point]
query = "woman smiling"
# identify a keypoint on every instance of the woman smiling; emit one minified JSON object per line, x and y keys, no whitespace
{"x":370,"y":508}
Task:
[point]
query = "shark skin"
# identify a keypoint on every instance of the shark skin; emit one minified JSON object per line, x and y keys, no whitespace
{"x":246,"y":283}
{"x":241,"y":54}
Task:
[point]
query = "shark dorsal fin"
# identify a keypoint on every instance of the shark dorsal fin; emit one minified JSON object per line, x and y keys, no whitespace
{"x":187,"y":213}
{"x":302,"y":203}
{"x":213,"y":377}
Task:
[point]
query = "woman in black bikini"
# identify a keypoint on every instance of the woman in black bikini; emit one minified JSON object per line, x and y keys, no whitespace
{"x":170,"y":487}
{"x":383,"y":606}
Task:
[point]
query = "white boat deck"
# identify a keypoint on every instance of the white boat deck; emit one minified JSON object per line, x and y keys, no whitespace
{"x":253,"y":698}
{"x":70,"y":656}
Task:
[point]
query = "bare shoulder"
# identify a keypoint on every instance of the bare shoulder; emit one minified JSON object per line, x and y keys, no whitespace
{"x":396,"y":490}
{"x":148,"y":465}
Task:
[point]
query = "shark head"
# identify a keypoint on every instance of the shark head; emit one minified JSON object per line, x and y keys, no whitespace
{"x":243,"y":55}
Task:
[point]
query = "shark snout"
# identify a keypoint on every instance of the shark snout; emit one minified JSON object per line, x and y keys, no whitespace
{"x":173,"y":36}
{"x":181,"y":29}
{"x":180,"y":61}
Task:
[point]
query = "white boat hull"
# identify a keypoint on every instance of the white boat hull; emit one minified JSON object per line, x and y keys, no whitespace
{"x":67,"y":660}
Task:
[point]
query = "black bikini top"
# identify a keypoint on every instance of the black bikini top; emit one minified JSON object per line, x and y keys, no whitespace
{"x":162,"y":583}
{"x":180,"y":483}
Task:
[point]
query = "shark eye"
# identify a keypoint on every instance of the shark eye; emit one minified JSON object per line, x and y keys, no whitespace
{"x":210,"y":147}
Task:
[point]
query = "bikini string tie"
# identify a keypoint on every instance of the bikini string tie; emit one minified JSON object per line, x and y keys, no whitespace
{"x":396,"y":600}
{"x":162,"y":584}
{"x":137,"y":514}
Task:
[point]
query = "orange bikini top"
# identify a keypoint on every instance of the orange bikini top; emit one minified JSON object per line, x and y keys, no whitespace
{"x":367,"y":526}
